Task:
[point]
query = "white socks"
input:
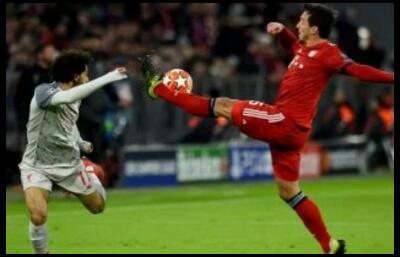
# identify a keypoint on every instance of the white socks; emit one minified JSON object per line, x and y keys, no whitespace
{"x":38,"y":237}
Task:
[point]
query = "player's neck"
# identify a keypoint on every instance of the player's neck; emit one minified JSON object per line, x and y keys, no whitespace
{"x":312,"y":41}
{"x":65,"y":86}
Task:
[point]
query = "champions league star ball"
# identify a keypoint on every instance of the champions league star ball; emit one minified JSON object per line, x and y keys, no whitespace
{"x":178,"y":80}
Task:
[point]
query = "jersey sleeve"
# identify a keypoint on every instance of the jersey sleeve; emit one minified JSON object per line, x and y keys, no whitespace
{"x":335,"y":60}
{"x":44,"y":94}
{"x":368,"y":73}
{"x":288,"y":40}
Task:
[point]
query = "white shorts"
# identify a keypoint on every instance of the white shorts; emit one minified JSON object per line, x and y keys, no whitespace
{"x":79,"y":182}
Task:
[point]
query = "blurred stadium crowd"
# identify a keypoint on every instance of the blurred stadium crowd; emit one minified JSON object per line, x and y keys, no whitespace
{"x":223,"y":46}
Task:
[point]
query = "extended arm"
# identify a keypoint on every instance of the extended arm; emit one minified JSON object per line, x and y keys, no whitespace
{"x":368,"y":73}
{"x":82,"y":91}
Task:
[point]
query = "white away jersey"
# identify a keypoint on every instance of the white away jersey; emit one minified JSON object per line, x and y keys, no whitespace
{"x":52,"y":134}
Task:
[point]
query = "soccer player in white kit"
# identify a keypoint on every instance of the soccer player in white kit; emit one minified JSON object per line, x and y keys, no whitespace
{"x":52,"y":154}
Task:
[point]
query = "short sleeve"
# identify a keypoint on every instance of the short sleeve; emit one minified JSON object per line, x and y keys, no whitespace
{"x":44,"y":93}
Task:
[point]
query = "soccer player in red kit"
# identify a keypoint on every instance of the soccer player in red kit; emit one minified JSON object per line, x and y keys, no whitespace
{"x":286,"y":124}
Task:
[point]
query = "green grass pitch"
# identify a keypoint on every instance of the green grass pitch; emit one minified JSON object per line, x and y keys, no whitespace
{"x":214,"y":218}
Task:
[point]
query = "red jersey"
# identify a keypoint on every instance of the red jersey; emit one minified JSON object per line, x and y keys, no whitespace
{"x":307,"y":77}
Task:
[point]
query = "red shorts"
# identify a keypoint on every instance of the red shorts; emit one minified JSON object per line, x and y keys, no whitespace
{"x":285,"y":137}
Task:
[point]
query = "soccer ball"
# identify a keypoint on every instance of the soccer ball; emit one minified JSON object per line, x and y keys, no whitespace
{"x":178,"y":80}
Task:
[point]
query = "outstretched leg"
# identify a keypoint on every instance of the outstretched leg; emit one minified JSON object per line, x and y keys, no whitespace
{"x":195,"y":105}
{"x":263,"y":122}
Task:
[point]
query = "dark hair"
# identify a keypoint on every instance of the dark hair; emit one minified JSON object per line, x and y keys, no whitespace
{"x":321,"y":16}
{"x":70,"y":63}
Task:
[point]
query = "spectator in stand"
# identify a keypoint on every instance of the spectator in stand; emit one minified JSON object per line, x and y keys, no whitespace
{"x":338,"y":120}
{"x":31,"y":77}
{"x":380,"y":127}
{"x":369,"y":50}
{"x":381,"y":122}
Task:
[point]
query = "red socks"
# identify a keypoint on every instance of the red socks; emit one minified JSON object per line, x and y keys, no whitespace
{"x":196,"y":105}
{"x":309,"y":213}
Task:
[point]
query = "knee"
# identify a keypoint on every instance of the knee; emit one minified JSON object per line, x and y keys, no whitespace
{"x":287,"y":193}
{"x":38,"y":217}
{"x":284,"y":196}
{"x":223,"y":107}
{"x":287,"y":189}
{"x":224,"y":102}
{"x":97,"y":208}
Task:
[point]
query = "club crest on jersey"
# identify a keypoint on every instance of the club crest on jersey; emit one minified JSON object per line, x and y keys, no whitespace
{"x":312,"y":53}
